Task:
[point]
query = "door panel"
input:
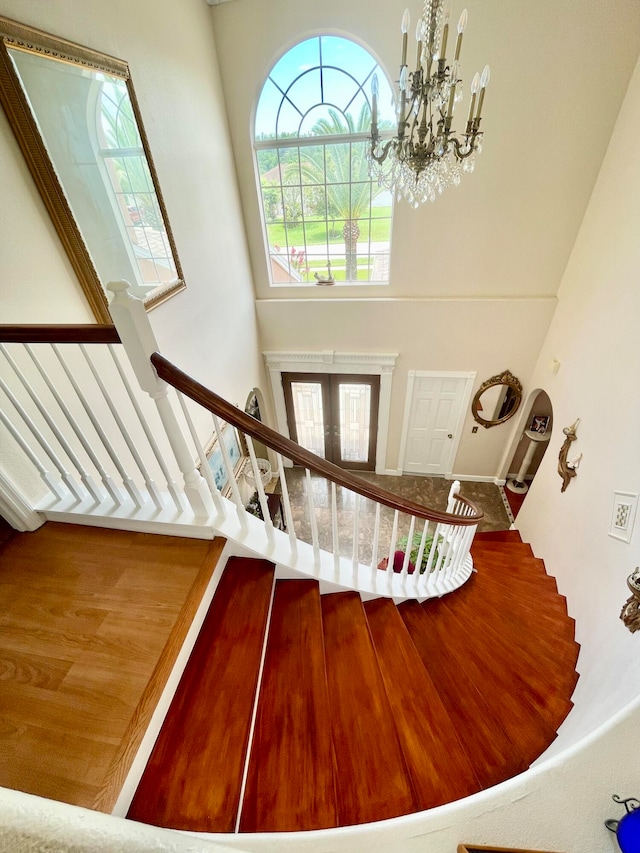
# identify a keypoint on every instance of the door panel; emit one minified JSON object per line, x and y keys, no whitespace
{"x":309,"y":415}
{"x":334,"y":416}
{"x":433,"y":416}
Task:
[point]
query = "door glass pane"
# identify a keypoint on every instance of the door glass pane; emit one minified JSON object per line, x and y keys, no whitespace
{"x":309,"y":415}
{"x":355,"y":411}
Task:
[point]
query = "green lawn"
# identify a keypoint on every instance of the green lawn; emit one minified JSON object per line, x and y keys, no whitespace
{"x":316,"y":232}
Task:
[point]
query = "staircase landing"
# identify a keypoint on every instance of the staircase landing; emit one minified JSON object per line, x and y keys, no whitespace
{"x":364,"y":712}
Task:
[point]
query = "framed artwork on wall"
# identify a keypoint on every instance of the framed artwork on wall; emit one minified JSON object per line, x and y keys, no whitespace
{"x":539,"y":423}
{"x":237,"y":453}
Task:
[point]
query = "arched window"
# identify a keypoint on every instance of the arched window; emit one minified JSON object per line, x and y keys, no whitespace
{"x":324,"y":217}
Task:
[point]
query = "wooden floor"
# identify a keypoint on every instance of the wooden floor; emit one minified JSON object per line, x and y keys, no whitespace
{"x":91,"y":621}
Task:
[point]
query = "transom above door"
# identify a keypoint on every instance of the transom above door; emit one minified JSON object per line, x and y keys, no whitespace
{"x":334,"y":416}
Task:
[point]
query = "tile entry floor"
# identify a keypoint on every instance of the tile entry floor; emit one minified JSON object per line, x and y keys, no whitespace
{"x":428,"y":491}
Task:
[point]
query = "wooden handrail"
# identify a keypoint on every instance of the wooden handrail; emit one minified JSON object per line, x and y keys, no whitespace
{"x":475,"y":848}
{"x":94,"y":333}
{"x":244,"y":422}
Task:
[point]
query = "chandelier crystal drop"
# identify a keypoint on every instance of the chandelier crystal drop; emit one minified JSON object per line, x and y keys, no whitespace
{"x":426,"y":156}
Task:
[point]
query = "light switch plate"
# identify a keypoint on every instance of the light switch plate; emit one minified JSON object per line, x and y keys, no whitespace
{"x":623,"y":515}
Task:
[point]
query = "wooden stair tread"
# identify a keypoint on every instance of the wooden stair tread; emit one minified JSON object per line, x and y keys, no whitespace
{"x":527,"y":677}
{"x":498,"y":536}
{"x":507,"y":604}
{"x":193,"y":778}
{"x":290,"y":780}
{"x":507,"y":563}
{"x":495,"y":757}
{"x":513,"y":549}
{"x":545,"y":592}
{"x":540,"y":661}
{"x":514,"y":708}
{"x":439,"y":768}
{"x":371,"y":784}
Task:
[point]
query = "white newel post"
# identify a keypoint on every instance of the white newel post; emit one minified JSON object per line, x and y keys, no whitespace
{"x":130,"y":319}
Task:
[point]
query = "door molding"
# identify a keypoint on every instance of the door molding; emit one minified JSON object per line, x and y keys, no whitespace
{"x":412,"y":375}
{"x":329,"y":361}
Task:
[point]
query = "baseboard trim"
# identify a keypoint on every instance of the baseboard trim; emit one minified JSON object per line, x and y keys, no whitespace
{"x":477,"y":478}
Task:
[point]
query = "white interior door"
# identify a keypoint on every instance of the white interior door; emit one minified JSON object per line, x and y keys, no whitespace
{"x":433,"y":421}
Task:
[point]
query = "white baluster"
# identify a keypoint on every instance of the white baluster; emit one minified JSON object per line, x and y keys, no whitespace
{"x":262,"y":498}
{"x":231,"y":477}
{"x":392,"y":549}
{"x":85,"y":477}
{"x":286,"y":506}
{"x":176,"y":496}
{"x":202,"y":456}
{"x":335,"y":538}
{"x":375,"y":574}
{"x":129,"y":484}
{"x":313,"y":521}
{"x":407,"y":553}
{"x":356,"y":536}
{"x":453,"y":493}
{"x":51,"y":484}
{"x":107,"y":481}
{"x":136,"y":334}
{"x":93,"y":456}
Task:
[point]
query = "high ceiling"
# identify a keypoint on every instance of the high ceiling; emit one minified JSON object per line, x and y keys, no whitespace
{"x":559,"y":72}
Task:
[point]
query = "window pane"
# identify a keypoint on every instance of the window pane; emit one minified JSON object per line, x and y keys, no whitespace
{"x":314,"y":202}
{"x":338,"y":88}
{"x":338,"y":163}
{"x":309,"y":415}
{"x":312,"y":162}
{"x":315,"y":234}
{"x":306,"y":91}
{"x":288,"y":120}
{"x":355,"y":410}
{"x":290,"y":167}
{"x":303,"y":55}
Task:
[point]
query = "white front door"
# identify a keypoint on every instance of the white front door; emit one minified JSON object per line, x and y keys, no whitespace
{"x":435,"y":404}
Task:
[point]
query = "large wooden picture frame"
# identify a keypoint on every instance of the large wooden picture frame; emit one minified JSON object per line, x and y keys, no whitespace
{"x":43,"y":48}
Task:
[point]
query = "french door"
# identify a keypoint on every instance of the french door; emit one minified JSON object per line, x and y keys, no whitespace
{"x":334,"y":416}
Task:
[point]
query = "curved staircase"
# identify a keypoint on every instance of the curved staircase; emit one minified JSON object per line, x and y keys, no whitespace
{"x":364,"y":711}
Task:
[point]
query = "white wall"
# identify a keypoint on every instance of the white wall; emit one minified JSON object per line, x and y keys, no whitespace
{"x":594,"y":335}
{"x":209,"y":329}
{"x":489,"y":336}
{"x":505,"y":233}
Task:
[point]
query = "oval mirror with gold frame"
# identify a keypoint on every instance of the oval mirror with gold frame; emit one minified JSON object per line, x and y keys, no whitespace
{"x":75,"y":116}
{"x":497,"y":399}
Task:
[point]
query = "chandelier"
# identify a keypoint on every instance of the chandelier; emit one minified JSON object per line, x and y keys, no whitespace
{"x":426,"y":156}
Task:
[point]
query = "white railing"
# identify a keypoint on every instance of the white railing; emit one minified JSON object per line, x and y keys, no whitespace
{"x":108,"y":453}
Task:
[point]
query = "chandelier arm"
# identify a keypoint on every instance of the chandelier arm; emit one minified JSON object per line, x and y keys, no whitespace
{"x":380,"y":158}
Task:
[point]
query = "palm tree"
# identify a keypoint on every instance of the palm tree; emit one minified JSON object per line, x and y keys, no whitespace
{"x":344,"y":169}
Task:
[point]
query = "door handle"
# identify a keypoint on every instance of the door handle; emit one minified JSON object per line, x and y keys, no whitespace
{"x":450,"y":435}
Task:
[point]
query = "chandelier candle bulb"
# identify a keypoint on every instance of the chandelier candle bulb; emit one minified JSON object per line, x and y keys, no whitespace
{"x":406,"y":19}
{"x":452,"y":91}
{"x":374,"y":102}
{"x":445,"y":30}
{"x":475,"y":85}
{"x":419,"y":27}
{"x":462,"y":23}
{"x":484,"y":82}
